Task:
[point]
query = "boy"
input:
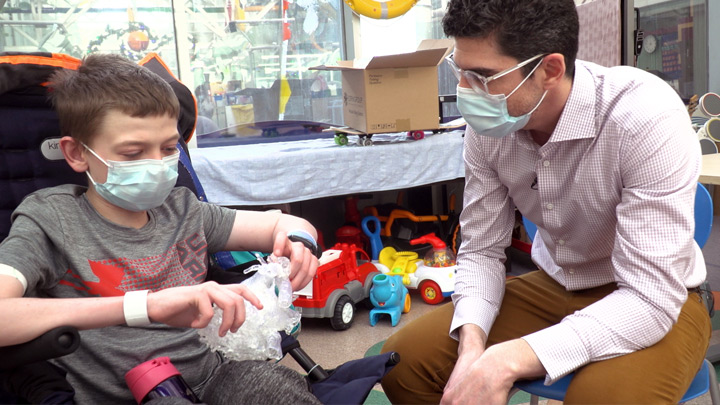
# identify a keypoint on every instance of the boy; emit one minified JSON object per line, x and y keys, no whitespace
{"x":125,"y":259}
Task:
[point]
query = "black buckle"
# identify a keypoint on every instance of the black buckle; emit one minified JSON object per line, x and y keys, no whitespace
{"x":705,"y":293}
{"x":308,"y":244}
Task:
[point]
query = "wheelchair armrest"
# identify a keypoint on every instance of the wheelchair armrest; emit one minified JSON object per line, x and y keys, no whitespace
{"x":53,"y":343}
{"x":232,"y":275}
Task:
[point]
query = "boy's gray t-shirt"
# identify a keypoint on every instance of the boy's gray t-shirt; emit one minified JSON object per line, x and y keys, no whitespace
{"x":65,"y":249}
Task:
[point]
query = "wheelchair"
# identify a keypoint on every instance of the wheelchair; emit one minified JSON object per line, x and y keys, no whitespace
{"x":28,"y":162}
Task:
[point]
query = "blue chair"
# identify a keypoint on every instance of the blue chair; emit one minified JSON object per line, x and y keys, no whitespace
{"x":705,"y":380}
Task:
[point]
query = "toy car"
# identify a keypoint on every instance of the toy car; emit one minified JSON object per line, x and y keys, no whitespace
{"x":339,"y":284}
{"x":433,"y":277}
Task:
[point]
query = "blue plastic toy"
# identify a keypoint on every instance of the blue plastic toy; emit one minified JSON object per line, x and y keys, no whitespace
{"x":389,"y":296}
{"x":374,"y":236}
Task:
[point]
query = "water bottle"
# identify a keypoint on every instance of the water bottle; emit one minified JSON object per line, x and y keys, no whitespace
{"x":158,"y":378}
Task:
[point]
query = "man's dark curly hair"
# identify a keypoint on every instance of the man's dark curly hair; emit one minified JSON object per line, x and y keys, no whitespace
{"x":521,"y":28}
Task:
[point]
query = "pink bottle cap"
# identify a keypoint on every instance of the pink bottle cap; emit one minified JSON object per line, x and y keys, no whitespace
{"x":146,"y":376}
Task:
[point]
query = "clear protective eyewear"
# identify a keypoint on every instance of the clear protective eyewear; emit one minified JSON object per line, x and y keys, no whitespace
{"x":478,"y":82}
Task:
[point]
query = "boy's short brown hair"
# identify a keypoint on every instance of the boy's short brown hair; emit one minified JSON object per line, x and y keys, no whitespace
{"x":104,"y":83}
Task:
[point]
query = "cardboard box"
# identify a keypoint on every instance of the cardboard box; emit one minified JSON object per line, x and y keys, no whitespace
{"x":393,"y":93}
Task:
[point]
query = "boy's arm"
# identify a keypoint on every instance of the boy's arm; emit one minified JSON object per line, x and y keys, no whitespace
{"x":267,"y":232}
{"x":24,"y":318}
{"x":256,"y":230}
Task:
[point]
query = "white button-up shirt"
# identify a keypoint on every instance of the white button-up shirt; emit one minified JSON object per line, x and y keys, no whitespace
{"x":612,"y":195}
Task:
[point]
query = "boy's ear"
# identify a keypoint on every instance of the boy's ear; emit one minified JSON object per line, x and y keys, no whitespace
{"x":74,"y":154}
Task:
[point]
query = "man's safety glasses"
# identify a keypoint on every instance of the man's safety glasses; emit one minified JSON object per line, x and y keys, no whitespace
{"x":478,"y":82}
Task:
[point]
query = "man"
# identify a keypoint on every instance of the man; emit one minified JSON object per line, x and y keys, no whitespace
{"x":605,"y":163}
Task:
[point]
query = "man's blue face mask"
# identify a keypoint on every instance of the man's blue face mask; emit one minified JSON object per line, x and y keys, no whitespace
{"x":487,"y":113}
{"x":137,"y":185}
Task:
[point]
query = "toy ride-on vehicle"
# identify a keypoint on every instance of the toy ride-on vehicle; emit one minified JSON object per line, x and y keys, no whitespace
{"x":388,"y":296}
{"x":400,"y":225}
{"x":341,"y":282}
{"x":433,"y":276}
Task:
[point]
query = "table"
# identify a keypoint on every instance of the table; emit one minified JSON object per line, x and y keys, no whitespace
{"x":284,"y":172}
{"x":710,"y":172}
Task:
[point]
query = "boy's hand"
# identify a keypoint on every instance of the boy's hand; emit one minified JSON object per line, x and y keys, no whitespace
{"x":303,"y":264}
{"x":192,"y":306}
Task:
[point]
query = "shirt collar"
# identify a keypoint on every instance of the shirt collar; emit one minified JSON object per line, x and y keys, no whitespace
{"x":577,"y":120}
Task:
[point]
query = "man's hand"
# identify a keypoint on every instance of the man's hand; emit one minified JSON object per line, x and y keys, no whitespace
{"x":487,"y":375}
{"x":482,"y":381}
{"x":303,"y":264}
{"x":462,"y":367}
{"x":471,"y":347}
{"x":192,"y":306}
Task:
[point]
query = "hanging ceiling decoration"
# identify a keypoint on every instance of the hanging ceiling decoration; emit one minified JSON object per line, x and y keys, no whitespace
{"x":381,"y":10}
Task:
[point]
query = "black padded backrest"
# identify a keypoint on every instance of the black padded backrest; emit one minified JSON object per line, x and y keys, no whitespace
{"x":29,"y":158}
{"x":188,"y":104}
{"x":26,"y":120}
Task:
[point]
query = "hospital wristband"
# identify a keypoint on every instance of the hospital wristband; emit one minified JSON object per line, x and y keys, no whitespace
{"x":135,"y":308}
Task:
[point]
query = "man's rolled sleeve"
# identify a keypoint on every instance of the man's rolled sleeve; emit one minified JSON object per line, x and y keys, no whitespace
{"x":558,"y":359}
{"x":472,"y":310}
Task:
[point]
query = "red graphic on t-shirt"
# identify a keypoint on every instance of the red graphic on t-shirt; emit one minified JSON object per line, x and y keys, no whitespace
{"x":183,"y":264}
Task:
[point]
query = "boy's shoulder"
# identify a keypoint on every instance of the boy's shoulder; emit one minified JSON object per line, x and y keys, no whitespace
{"x":71,"y":191}
{"x":181,"y":201}
{"x":45,"y":204}
{"x":181,"y":195}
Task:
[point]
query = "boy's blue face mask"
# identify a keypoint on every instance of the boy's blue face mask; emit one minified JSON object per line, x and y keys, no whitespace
{"x":137,"y":185}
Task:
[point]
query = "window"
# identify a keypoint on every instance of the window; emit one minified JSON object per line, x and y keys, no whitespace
{"x":250,"y":62}
{"x":245,"y":60}
{"x":675,"y":44}
{"x":87,"y":27}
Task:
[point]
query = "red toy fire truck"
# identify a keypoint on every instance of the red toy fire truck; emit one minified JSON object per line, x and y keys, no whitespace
{"x":339,"y":284}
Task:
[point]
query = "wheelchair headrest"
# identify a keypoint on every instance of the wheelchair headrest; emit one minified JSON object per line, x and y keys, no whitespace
{"x":30,"y":158}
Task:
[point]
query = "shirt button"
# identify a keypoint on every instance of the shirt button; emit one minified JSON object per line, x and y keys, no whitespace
{"x":546,"y":163}
{"x":571,"y":271}
{"x":561,"y":242}
{"x":549,"y":206}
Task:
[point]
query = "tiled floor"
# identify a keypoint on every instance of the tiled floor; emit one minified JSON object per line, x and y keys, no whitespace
{"x":330,"y":348}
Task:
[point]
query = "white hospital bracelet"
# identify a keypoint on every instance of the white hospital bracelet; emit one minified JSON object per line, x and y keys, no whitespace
{"x":135,"y":308}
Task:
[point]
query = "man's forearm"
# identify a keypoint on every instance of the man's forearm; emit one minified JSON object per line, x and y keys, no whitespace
{"x":471,"y":338}
{"x":518,"y":357}
{"x":23,"y":319}
{"x":515,"y":359}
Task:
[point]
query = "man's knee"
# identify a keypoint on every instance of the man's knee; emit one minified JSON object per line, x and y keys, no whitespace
{"x":658,"y":374}
{"x":424,"y":338}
